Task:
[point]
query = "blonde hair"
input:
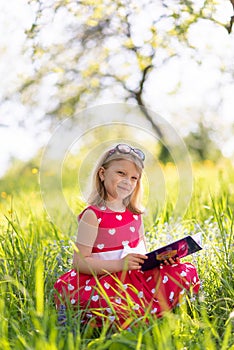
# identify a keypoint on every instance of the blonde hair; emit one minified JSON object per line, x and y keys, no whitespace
{"x":98,"y":193}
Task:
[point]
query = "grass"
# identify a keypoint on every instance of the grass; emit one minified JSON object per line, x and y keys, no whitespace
{"x":34,"y":252}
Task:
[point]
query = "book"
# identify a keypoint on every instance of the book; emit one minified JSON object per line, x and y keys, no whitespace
{"x":181,"y":248}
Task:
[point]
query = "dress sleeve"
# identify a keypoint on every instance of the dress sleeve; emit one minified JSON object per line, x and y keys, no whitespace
{"x":90,"y":207}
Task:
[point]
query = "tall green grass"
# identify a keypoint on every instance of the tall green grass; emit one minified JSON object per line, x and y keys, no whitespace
{"x":34,"y":252}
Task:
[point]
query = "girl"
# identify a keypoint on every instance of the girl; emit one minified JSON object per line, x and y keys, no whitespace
{"x":106,"y":280}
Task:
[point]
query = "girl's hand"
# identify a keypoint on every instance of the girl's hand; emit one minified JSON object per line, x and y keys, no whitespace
{"x":171,"y":261}
{"x":132,"y":261}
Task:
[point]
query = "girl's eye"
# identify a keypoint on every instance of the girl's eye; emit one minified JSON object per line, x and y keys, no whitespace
{"x":121,"y":172}
{"x":134,"y":178}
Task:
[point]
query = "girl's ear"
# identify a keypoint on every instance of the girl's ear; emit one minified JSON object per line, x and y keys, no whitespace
{"x":101,"y":173}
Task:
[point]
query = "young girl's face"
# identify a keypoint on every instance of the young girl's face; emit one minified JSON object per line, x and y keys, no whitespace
{"x":120,"y":179}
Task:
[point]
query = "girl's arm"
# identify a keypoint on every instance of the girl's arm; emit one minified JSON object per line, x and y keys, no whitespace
{"x":85,"y":263}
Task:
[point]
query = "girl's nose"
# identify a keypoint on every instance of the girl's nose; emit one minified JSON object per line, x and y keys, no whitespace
{"x":127,"y":180}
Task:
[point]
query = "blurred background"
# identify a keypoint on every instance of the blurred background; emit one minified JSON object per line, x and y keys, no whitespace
{"x":59,"y":58}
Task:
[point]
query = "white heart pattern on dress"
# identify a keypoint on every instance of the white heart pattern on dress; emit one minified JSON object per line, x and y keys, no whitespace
{"x":165,"y":279}
{"x":73,"y":273}
{"x":171,"y":296}
{"x":106,"y":285}
{"x":111,"y":231}
{"x":119,"y":217}
{"x":135,"y":217}
{"x":87,"y":288}
{"x":190,"y":266}
{"x":118,"y":300}
{"x":154,"y":310}
{"x":136,"y":307}
{"x":112,"y":318}
{"x":108,"y":309}
{"x":73,"y":301}
{"x":100,"y":246}
{"x":153,"y":290}
{"x":70,"y":287}
{"x":103,"y":208}
{"x":124,"y":243}
{"x":183,"y":274}
{"x":87,"y":281}
{"x":95,"y":297}
{"x":132,"y":229}
{"x":149,"y":278}
{"x":99,"y":220}
{"x":140,"y":294}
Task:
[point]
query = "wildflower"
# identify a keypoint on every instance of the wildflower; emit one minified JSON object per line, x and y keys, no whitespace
{"x":4,"y":195}
{"x":34,"y":170}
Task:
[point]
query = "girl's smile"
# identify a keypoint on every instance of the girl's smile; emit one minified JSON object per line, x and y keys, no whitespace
{"x":120,"y":179}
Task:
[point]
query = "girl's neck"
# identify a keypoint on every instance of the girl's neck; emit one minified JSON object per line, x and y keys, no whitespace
{"x":115,"y":206}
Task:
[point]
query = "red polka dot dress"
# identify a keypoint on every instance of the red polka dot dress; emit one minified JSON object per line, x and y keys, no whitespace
{"x":122,"y":297}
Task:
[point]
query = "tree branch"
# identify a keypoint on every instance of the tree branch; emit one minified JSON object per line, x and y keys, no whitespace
{"x":229,"y":27}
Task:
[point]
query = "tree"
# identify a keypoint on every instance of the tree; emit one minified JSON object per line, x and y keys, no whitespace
{"x":105,"y":48}
{"x":229,"y":26}
{"x":201,"y":145}
{"x":101,"y":45}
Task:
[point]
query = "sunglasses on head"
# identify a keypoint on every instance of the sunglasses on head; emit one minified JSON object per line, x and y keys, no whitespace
{"x":126,"y":149}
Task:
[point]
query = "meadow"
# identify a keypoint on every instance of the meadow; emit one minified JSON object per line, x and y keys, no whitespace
{"x":34,"y":252}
